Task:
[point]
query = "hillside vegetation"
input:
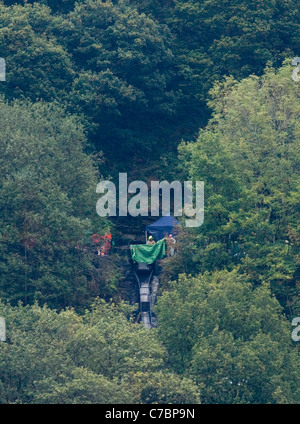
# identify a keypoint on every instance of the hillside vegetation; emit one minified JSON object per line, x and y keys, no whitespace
{"x":162,"y":90}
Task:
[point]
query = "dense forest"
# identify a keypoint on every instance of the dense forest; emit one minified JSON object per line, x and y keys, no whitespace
{"x":197,"y":90}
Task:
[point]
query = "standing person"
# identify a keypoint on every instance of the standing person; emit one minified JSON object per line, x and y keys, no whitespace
{"x":107,"y":245}
{"x":97,"y":241}
{"x":151,"y":240}
{"x":170,"y":240}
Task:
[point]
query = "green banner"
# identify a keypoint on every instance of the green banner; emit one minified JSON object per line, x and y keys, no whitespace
{"x":147,"y":253}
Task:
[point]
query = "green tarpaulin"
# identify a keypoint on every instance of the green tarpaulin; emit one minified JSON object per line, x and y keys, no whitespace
{"x":147,"y":253}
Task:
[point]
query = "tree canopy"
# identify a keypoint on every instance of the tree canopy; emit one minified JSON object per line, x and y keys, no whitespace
{"x":48,"y":203}
{"x":248,"y":158}
{"x":181,"y":90}
{"x":229,"y":337}
{"x":98,"y":357}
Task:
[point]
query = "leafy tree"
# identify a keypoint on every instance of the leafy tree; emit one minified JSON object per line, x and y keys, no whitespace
{"x":126,"y":68}
{"x":104,"y":60}
{"x":231,"y":338}
{"x":99,"y":357}
{"x":48,"y":200}
{"x":217,"y":39}
{"x":63,"y":6}
{"x":248,"y":158}
{"x":38,"y":65}
{"x":163,"y":387}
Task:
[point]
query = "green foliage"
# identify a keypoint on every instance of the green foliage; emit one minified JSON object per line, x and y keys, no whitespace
{"x":248,"y":158}
{"x":47,"y":199}
{"x":63,"y":6}
{"x":232,"y":339}
{"x":138,"y":74}
{"x":99,"y":357}
{"x":236,"y":38}
{"x":38,"y":66}
{"x":104,"y":60}
{"x":163,"y":387}
{"x":126,"y":66}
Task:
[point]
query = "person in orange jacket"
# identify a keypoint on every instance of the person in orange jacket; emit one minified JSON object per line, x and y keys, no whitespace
{"x":107,"y":244}
{"x":97,"y":241}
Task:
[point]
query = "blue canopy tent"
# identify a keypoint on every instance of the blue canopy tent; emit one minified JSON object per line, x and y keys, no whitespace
{"x":161,"y":227}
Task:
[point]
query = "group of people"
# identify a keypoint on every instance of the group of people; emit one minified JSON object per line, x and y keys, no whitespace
{"x":103,"y":243}
{"x":170,"y":241}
